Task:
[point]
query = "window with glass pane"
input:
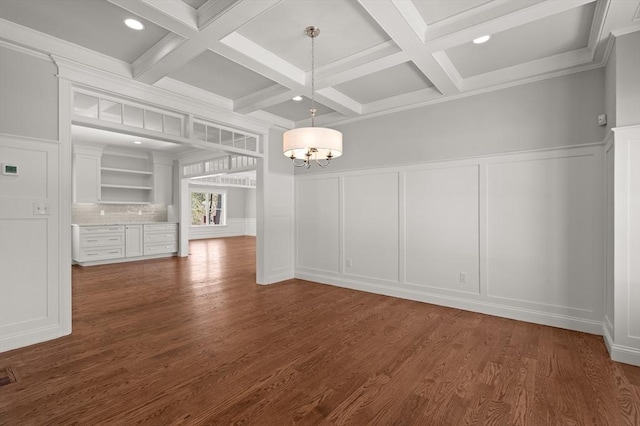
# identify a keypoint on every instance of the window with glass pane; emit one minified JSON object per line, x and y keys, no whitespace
{"x":207,"y":208}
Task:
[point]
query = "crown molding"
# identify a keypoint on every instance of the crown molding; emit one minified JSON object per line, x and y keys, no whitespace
{"x":41,"y":42}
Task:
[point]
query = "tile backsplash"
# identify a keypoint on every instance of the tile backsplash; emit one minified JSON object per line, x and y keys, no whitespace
{"x":118,"y":213}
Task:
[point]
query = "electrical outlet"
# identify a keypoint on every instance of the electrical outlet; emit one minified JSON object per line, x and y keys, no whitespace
{"x":40,"y":208}
{"x":463,"y":277}
{"x":349,"y":263}
{"x":101,"y":212}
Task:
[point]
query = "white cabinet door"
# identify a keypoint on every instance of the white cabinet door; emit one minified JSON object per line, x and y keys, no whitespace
{"x":163,"y":184}
{"x":86,"y":179}
{"x":134,"y":244}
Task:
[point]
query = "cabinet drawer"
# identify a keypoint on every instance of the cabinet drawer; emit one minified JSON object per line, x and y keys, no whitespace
{"x":161,"y":227}
{"x":89,"y":254}
{"x":100,"y":240}
{"x":101,"y":229}
{"x":160,"y":248}
{"x":158,"y":237}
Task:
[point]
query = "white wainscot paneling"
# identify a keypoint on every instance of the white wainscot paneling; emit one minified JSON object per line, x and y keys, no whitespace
{"x":234,"y":227}
{"x":317,"y":224}
{"x":23,"y":291}
{"x":609,"y":306}
{"x":545,"y":246}
{"x":250,"y":227}
{"x":441,"y":224}
{"x":29,"y":243}
{"x":633,"y":247}
{"x":371,"y":226}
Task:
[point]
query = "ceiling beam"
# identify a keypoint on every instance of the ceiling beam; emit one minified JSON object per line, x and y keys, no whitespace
{"x":169,"y":55}
{"x":395,"y":24}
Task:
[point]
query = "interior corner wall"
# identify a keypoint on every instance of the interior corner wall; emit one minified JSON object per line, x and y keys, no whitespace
{"x":35,"y":265}
{"x":556,"y":112}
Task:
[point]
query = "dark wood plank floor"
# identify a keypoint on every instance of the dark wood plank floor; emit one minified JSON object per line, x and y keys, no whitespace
{"x":195,"y":341}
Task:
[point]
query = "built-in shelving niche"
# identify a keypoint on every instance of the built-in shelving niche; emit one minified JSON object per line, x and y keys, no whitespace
{"x":126,"y":180}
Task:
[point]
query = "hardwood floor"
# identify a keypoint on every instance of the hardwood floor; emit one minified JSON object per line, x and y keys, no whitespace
{"x":196,"y":341}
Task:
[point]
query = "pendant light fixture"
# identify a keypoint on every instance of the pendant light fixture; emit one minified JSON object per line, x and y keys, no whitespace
{"x":307,"y":144}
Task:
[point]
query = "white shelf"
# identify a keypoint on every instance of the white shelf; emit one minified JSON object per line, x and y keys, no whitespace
{"x":138,"y":172}
{"x":146,"y":188}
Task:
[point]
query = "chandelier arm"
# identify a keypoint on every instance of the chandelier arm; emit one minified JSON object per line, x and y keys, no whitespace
{"x":303,"y":164}
{"x":325,"y":164}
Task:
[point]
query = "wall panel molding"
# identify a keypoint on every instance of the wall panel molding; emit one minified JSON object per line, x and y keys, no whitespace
{"x":445,"y":227}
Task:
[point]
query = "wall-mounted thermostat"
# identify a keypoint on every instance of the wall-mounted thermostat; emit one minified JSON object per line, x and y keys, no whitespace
{"x":9,"y":169}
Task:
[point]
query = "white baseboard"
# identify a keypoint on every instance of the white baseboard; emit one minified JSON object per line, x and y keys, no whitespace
{"x":483,"y":307}
{"x":619,"y":353}
{"x":279,"y":275}
{"x":31,"y":337}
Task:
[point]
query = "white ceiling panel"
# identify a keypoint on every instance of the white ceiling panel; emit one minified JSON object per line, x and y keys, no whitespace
{"x":542,"y":38}
{"x":95,"y":24}
{"x":435,"y":11}
{"x":217,"y":74}
{"x":296,"y":111}
{"x":345,"y":29}
{"x":393,"y":81}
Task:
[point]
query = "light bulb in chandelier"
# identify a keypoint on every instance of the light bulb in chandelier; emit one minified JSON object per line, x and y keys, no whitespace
{"x":305,"y":145}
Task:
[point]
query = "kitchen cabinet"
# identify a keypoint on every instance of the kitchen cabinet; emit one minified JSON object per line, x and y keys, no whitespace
{"x":91,"y":243}
{"x":97,"y":244}
{"x":86,"y":174}
{"x":104,"y":175}
{"x":163,"y":184}
{"x":134,"y":240}
{"x":160,"y":238}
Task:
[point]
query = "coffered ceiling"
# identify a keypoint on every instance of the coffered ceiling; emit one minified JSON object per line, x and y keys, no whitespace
{"x":372,"y":56}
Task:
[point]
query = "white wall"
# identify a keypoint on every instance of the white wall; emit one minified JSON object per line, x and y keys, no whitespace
{"x":627,"y":70}
{"x":526,"y":229}
{"x":29,"y":101}
{"x":35,"y":256}
{"x":556,"y":112}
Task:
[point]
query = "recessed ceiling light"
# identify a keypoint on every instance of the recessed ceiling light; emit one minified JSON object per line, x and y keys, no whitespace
{"x":297,"y":98}
{"x":482,"y":39}
{"x":134,"y":24}
{"x":137,"y":142}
